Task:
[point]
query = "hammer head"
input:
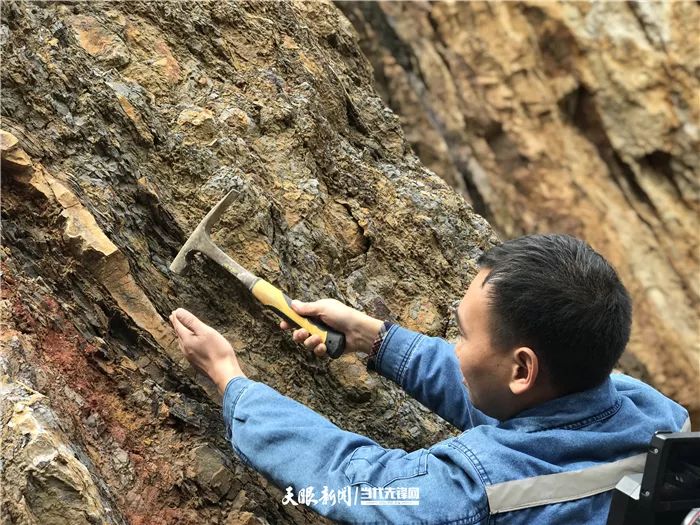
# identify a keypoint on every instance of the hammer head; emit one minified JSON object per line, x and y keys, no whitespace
{"x":200,"y":240}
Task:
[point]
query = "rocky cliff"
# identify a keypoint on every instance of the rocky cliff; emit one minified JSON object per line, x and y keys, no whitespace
{"x":123,"y":124}
{"x":573,"y":117}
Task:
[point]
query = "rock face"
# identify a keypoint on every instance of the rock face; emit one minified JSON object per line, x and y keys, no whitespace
{"x":573,"y":117}
{"x":123,"y":124}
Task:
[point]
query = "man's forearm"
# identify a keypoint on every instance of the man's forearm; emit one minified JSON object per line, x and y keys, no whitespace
{"x":295,"y":447}
{"x":428,"y":370}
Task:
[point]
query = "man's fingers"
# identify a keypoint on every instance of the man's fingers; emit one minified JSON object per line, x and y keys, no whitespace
{"x":184,"y":334}
{"x":300,"y":335}
{"x":180,"y":330}
{"x":320,"y":350}
{"x":312,"y":342}
{"x":189,"y":321}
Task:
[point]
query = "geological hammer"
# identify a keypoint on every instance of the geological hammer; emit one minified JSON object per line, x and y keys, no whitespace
{"x":268,"y":294}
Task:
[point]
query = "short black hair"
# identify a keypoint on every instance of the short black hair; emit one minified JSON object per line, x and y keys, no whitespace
{"x":558,"y":296}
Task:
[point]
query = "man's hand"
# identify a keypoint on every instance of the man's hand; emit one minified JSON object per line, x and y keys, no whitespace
{"x":360,"y":329}
{"x":205,"y":348}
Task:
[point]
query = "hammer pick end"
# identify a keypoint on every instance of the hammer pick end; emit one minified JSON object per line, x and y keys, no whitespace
{"x":199,"y":239}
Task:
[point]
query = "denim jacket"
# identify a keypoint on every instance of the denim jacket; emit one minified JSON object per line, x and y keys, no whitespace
{"x":554,"y":463}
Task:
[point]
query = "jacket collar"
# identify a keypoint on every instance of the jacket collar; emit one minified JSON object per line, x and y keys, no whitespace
{"x":569,"y":412}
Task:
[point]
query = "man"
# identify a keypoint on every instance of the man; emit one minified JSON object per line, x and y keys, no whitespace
{"x":548,"y":432}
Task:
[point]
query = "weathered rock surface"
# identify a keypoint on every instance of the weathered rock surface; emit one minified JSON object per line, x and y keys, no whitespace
{"x":51,"y":480}
{"x":574,"y":117}
{"x":125,"y":122}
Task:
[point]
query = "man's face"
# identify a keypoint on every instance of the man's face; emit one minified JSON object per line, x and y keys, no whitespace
{"x":486,"y":371}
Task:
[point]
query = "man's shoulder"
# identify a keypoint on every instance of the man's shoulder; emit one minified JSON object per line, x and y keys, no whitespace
{"x":626,"y":380}
{"x":622,"y":422}
{"x":646,"y":401}
{"x":631,"y":387}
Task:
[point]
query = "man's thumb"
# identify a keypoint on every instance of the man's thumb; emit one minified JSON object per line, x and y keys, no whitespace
{"x":189,"y":320}
{"x":305,"y":309}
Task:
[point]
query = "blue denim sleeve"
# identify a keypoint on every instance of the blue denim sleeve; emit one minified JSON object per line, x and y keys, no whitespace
{"x":293,"y":446}
{"x":428,"y":370}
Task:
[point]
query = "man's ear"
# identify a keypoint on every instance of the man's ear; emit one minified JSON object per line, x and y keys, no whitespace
{"x":525,"y":369}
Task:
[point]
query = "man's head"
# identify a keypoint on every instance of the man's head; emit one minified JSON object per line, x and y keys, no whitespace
{"x":545,"y":316}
